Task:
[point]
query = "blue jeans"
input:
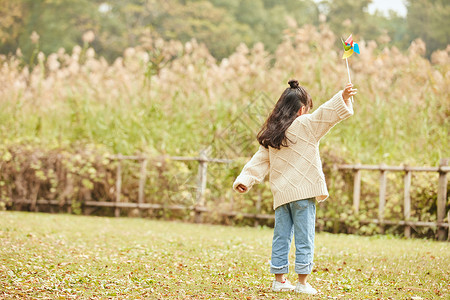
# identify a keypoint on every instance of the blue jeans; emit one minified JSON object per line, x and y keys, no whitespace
{"x":296,"y":218}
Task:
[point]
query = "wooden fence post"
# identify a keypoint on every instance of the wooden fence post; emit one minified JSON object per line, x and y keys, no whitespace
{"x":442,"y":199}
{"x":201,"y":185}
{"x":142,"y":180}
{"x":448,"y":221}
{"x":356,"y":188}
{"x":382,"y":196}
{"x":118,"y":186}
{"x":407,"y":202}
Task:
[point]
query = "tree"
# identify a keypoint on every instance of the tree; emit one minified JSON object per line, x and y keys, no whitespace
{"x":220,"y":24}
{"x":58,"y":23}
{"x":339,"y":12}
{"x":12,"y":17}
{"x":430,"y":21}
{"x":303,"y":11}
{"x":211,"y":25}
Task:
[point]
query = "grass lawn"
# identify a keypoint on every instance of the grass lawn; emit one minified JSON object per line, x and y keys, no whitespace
{"x":67,"y":256}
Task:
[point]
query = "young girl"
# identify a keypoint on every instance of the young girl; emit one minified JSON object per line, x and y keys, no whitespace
{"x":289,"y":148}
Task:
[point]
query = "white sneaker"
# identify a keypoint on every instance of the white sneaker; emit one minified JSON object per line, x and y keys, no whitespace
{"x":305,"y":289}
{"x":286,"y":286}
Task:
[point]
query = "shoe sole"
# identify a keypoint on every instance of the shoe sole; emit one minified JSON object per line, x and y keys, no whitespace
{"x":302,"y":292}
{"x":282,"y":290}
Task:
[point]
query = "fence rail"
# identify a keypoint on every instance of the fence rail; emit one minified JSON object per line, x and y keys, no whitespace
{"x":199,"y":207}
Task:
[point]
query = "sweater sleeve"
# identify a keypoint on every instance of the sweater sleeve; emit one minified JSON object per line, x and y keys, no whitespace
{"x":329,"y":114}
{"x":255,"y":170}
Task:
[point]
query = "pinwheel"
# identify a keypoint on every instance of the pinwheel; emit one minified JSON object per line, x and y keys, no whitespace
{"x":349,"y":48}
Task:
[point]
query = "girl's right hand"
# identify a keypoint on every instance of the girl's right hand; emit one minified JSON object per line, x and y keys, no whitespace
{"x":241,"y":188}
{"x":348,"y":92}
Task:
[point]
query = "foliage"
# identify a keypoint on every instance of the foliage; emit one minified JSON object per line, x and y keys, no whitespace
{"x":34,"y":174}
{"x":426,"y":20}
{"x":86,"y":175}
{"x":63,"y":256}
{"x":220,"y":24}
{"x":11,"y":22}
{"x":346,"y":14}
{"x":208,"y":24}
{"x":58,"y":23}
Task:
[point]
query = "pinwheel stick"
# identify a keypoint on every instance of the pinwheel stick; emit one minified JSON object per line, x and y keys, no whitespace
{"x":348,"y":71}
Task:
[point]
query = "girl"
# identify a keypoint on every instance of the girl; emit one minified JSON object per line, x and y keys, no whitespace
{"x":289,"y":148}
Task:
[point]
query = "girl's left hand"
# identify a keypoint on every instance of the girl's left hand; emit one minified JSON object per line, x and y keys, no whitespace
{"x":348,"y":92}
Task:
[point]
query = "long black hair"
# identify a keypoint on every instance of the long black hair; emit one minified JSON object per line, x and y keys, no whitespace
{"x":273,"y":132}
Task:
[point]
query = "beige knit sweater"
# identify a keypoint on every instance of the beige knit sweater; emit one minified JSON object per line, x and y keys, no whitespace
{"x":296,"y":171}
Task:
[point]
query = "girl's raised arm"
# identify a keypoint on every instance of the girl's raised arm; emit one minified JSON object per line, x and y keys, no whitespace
{"x":254,"y":171}
{"x":332,"y":112}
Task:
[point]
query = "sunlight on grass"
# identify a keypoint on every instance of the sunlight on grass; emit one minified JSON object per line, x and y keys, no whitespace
{"x":66,"y":256}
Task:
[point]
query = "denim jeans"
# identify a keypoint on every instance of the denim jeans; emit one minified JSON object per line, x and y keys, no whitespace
{"x":295,"y":218}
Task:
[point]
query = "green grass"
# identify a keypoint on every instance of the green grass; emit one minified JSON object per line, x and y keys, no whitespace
{"x":64,"y":256}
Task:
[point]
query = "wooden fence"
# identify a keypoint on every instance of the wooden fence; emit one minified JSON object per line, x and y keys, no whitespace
{"x":199,"y":208}
{"x":443,"y":169}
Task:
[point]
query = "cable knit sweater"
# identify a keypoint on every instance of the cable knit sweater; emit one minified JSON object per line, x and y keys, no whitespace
{"x":296,"y":171}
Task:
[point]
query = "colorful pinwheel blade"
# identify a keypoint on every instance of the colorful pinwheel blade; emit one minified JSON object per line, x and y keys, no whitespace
{"x":347,"y":54}
{"x":349,"y":40}
{"x":346,"y":47}
{"x":356,"y":48}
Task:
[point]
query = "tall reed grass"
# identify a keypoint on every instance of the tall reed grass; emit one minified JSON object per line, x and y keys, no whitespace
{"x":172,"y":98}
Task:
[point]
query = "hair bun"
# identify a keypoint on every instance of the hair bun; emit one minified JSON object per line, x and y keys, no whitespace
{"x":293,"y":83}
